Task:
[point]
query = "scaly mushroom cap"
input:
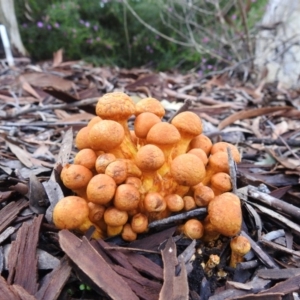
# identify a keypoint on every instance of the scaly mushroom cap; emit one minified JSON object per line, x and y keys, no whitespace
{"x":143,"y":123}
{"x":115,"y":217}
{"x":115,"y":106}
{"x":187,"y":169}
{"x":240,"y":245}
{"x":163,"y":134}
{"x":103,"y":160}
{"x":139,"y":223}
{"x":101,"y":189}
{"x":220,"y":183}
{"x":222,"y":146}
{"x":150,"y":105}
{"x":127,"y":197}
{"x":82,"y":138}
{"x":75,"y":177}
{"x":106,"y":135}
{"x":193,"y":229}
{"x":203,"y":142}
{"x":188,"y":124}
{"x":70,"y":212}
{"x":203,"y":195}
{"x":225,"y":214}
{"x":149,"y":158}
{"x":200,"y":153}
{"x":86,"y":157}
{"x":117,"y":170}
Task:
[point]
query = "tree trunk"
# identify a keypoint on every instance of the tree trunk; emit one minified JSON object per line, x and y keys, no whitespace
{"x":9,"y":20}
{"x":278,"y":43}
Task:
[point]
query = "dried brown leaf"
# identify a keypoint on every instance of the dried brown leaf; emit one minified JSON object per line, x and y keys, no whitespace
{"x":251,"y":113}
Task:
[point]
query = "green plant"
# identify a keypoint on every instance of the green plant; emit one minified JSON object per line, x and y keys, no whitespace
{"x":162,"y":34}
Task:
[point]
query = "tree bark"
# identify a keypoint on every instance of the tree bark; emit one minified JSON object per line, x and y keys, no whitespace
{"x":278,"y":43}
{"x":9,"y":20}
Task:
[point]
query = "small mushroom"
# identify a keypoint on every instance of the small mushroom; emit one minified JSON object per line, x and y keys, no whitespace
{"x":101,"y":189}
{"x":174,"y":202}
{"x":203,"y":195}
{"x":86,"y":157}
{"x":115,"y":217}
{"x":128,"y":234}
{"x":81,"y":139}
{"x":75,"y":177}
{"x":165,"y":136}
{"x":119,"y":107}
{"x":193,"y":229}
{"x":203,"y":142}
{"x":107,"y":136}
{"x":240,"y":246}
{"x":72,"y":213}
{"x":103,"y":161}
{"x":149,"y":159}
{"x":187,"y":169}
{"x":189,"y":203}
{"x":224,"y":216}
{"x":223,"y":146}
{"x":189,"y":126}
{"x":220,"y":183}
{"x":150,"y":105}
{"x":117,"y":170}
{"x":127,"y":197}
{"x":142,"y":125}
{"x":139,"y":223}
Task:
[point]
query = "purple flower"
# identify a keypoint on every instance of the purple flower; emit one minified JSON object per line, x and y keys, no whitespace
{"x":49,"y":27}
{"x":24,"y":25}
{"x":233,"y":17}
{"x":96,"y":27}
{"x":56,"y":25}
{"x":81,"y":22}
{"x":40,"y":24}
{"x":209,"y":67}
{"x":205,"y":40}
{"x":87,"y":24}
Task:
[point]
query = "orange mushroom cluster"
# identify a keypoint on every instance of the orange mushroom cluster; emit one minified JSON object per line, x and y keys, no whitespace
{"x":123,"y":179}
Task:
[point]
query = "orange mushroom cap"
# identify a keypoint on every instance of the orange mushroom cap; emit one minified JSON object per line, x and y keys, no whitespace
{"x":106,"y":135}
{"x":127,"y":197}
{"x":187,"y":169}
{"x":75,"y":177}
{"x":150,"y":105}
{"x":143,"y":123}
{"x":189,"y":126}
{"x":115,"y":106}
{"x":101,"y":189}
{"x":225,"y":214}
{"x":72,"y":212}
{"x":222,"y":146}
{"x":203,"y":142}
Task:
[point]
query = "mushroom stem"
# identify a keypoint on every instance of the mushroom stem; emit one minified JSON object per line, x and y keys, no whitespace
{"x":240,"y":246}
{"x":212,"y":262}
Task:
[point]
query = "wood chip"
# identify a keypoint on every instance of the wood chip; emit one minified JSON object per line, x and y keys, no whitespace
{"x":174,"y":287}
{"x":278,"y":274}
{"x":95,"y":267}
{"x":22,"y":260}
{"x":13,"y":292}
{"x":54,"y":282}
{"x":10,"y":212}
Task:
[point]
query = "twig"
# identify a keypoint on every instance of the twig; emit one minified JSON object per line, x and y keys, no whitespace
{"x":260,"y":253}
{"x":278,"y":204}
{"x":279,"y":247}
{"x":131,"y":249}
{"x":83,"y":102}
{"x":232,"y":171}
{"x":278,"y":142}
{"x":187,"y":103}
{"x":280,"y":138}
{"x":189,"y":214}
